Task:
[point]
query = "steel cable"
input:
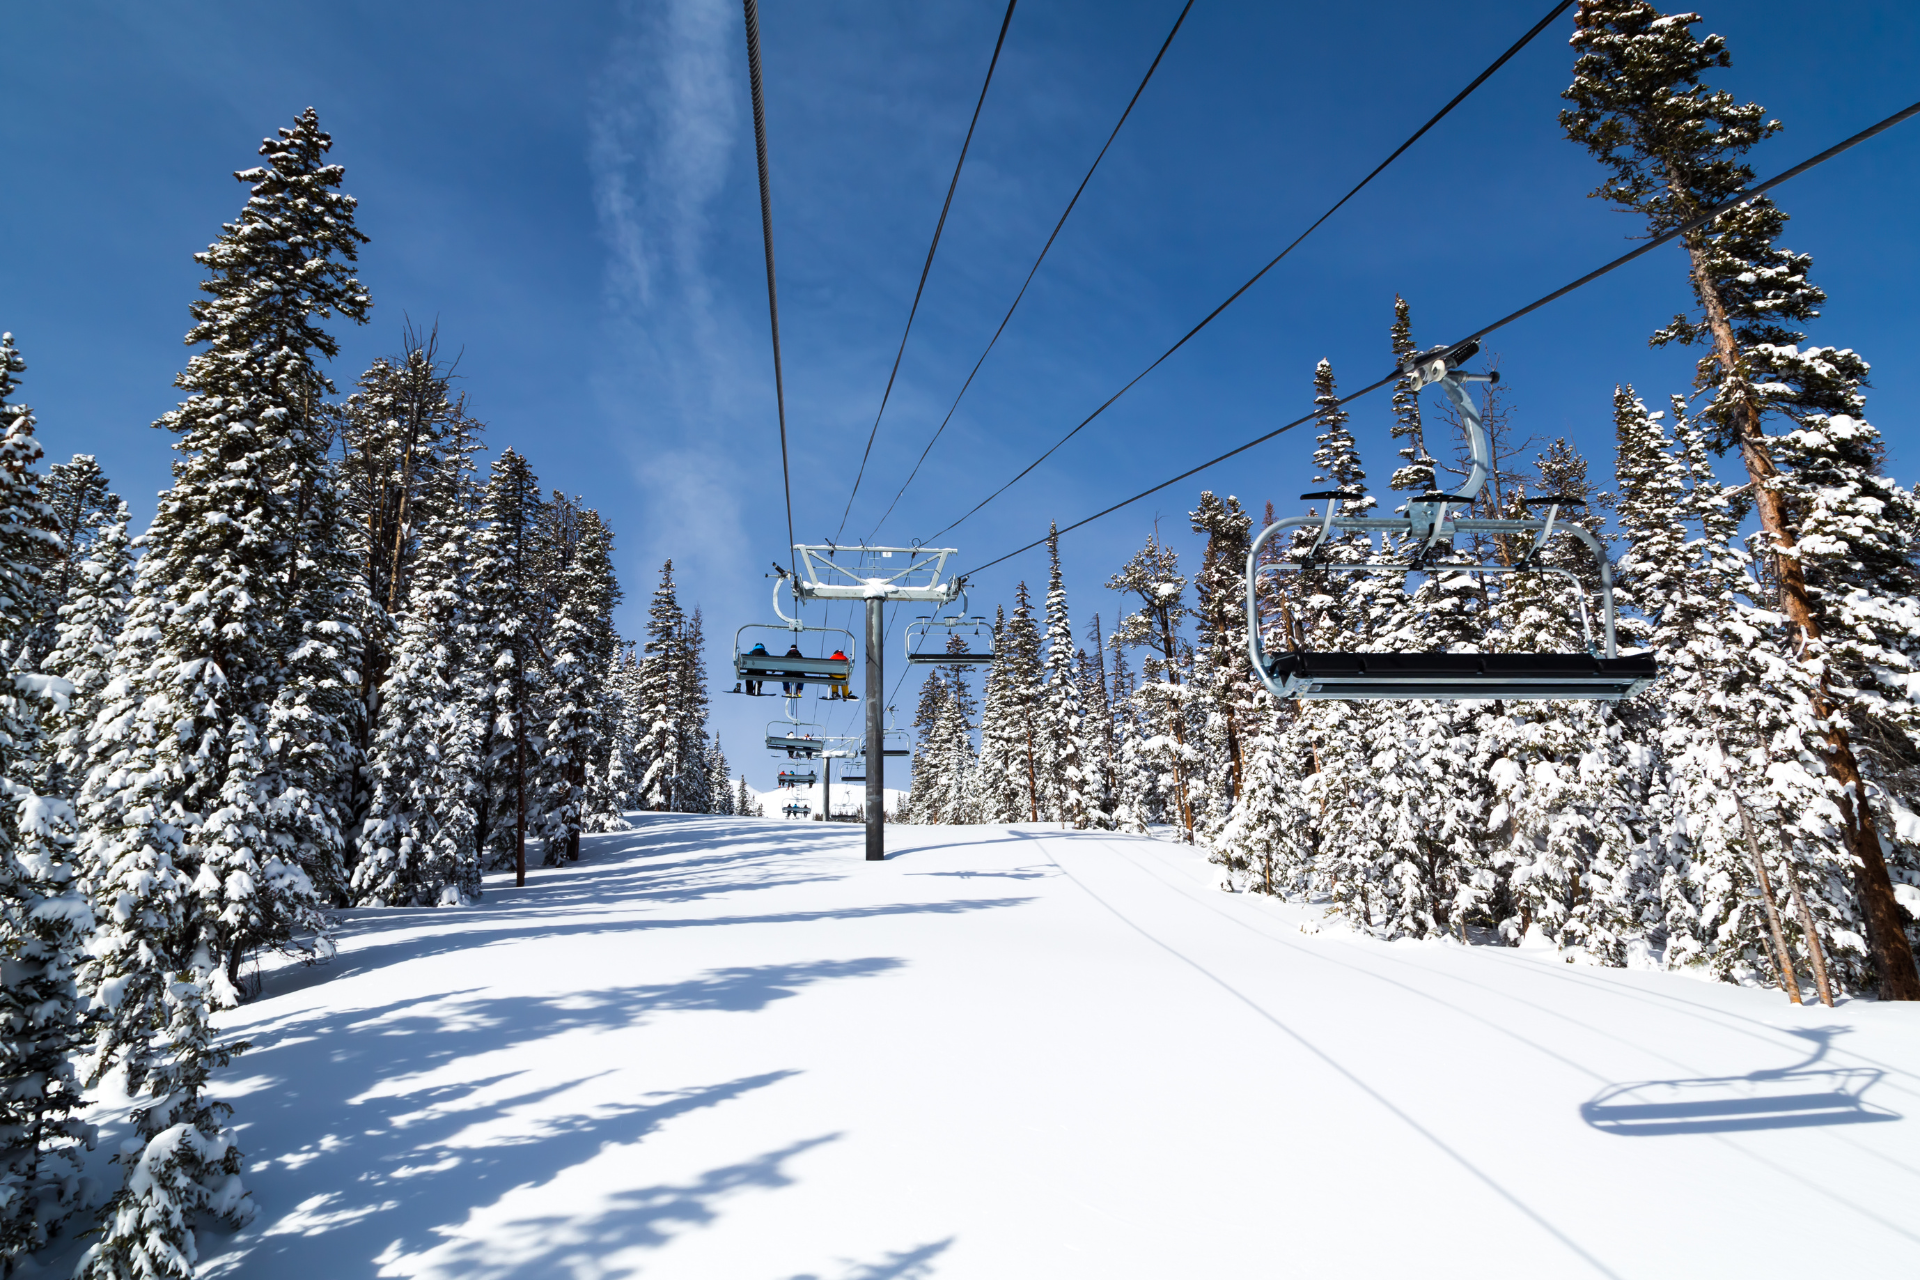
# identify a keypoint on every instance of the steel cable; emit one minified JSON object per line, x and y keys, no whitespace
{"x":1234,"y":297}
{"x":752,"y":16}
{"x":927,"y":267}
{"x":1032,"y":271}
{"x":1692,"y":224}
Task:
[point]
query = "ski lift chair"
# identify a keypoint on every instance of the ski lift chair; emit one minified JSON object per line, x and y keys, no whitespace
{"x":1602,"y":673}
{"x":799,"y":741}
{"x":768,"y":666}
{"x":979,"y":645}
{"x":789,"y":778}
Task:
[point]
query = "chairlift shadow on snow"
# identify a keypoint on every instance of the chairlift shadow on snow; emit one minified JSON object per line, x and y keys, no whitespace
{"x":1803,"y":1095}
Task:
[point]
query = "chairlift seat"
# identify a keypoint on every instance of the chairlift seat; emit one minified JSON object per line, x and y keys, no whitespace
{"x":771,"y":666}
{"x":794,"y":744}
{"x":942,"y":659}
{"x":798,"y":779}
{"x":1458,"y":676}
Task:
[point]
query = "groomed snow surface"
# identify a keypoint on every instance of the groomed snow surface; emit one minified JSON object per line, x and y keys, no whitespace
{"x":732,"y":1049}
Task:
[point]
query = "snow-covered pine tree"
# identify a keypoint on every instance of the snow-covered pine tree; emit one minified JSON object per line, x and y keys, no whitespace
{"x":78,"y":495}
{"x":611,"y":780}
{"x":1724,"y":679}
{"x":200,"y":822}
{"x":577,"y":563}
{"x":661,"y":672}
{"x":1024,"y":744}
{"x":955,"y":744}
{"x":398,"y":430}
{"x":1416,"y":472}
{"x":1673,"y":147}
{"x":693,"y":789}
{"x":1152,"y":576}
{"x":82,"y":654}
{"x":509,"y":606}
{"x":719,"y":772}
{"x":1100,"y":729}
{"x":1136,"y":801}
{"x":927,"y":795}
{"x":44,"y":919}
{"x":1068,"y":780}
{"x":1222,"y":677}
{"x":1001,"y":734}
{"x":418,"y":843}
{"x":1336,"y":613}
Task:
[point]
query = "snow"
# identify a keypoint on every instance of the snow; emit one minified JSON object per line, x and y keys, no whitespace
{"x":724,"y":1047}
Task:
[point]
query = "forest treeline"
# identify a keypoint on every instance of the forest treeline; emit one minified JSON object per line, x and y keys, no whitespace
{"x":1753,"y":814}
{"x":338,"y":669}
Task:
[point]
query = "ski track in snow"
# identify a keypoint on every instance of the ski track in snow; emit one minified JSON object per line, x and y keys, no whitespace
{"x":730,"y":1048}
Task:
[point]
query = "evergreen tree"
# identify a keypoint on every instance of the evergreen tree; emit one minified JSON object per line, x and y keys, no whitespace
{"x":419,"y":845}
{"x":79,"y":498}
{"x":1152,"y":576}
{"x":1672,"y":148}
{"x":724,"y":801}
{"x":662,"y":672}
{"x":509,"y":609}
{"x":580,"y":642}
{"x":1222,"y":675}
{"x":200,"y":820}
{"x":44,"y":920}
{"x":399,"y":431}
{"x":1024,"y":692}
{"x":1002,"y":735}
{"x":1068,"y":781}
{"x":83,"y":652}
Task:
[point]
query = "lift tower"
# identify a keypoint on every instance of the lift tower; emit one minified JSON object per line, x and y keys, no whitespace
{"x":875,"y":575}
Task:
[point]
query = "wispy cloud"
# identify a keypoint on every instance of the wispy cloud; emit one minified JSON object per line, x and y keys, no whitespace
{"x":665,"y":136}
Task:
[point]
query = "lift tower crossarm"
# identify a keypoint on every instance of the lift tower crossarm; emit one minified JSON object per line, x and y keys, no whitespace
{"x":917,"y":577}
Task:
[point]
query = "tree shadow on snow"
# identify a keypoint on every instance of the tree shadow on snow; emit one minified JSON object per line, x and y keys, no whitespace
{"x":912,"y":1264}
{"x":356,"y":1146}
{"x":1803,"y":1095}
{"x":676,"y":860}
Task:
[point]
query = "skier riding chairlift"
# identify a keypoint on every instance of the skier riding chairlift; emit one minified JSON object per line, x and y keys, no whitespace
{"x":758,"y":651}
{"x":837,"y":688}
{"x":793,"y":689}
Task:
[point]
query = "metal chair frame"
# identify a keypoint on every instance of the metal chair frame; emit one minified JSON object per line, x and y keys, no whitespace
{"x":1599,"y":674}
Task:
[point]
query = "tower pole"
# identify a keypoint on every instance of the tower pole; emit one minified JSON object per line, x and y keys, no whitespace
{"x":876,"y":728}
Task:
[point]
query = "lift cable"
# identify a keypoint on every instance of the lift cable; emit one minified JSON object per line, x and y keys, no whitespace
{"x":1234,"y":297}
{"x":927,"y":267}
{"x":752,"y":16}
{"x":1691,"y":225}
{"x":1034,"y":270}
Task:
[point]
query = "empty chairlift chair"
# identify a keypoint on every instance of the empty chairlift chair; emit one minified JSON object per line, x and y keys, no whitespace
{"x":923,"y":633}
{"x":1601,"y":673}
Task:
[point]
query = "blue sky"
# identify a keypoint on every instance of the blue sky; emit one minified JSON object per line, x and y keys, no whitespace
{"x":569,"y":191}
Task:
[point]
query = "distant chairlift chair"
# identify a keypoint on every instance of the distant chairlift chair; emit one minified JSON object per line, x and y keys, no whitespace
{"x":1602,"y":674}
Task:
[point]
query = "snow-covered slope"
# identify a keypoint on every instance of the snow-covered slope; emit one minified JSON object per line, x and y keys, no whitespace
{"x":730,"y":1049}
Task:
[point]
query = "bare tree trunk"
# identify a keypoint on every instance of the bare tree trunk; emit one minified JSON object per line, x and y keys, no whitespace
{"x":1886,"y":934}
{"x":1783,"y":958}
{"x":1168,"y":646}
{"x":1815,"y":952}
{"x":1033,"y":782}
{"x":520,"y":771}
